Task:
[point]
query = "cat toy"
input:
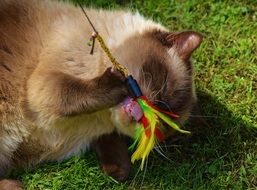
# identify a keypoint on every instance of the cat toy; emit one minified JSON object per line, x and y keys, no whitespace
{"x":149,"y":130}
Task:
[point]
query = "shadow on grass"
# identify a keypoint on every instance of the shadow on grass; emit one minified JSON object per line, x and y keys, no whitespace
{"x":219,"y":155}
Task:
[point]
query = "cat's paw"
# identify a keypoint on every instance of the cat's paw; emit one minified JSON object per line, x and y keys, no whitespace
{"x":113,"y":86}
{"x":112,"y":77}
{"x":7,"y":184}
{"x":117,"y":74}
{"x":119,"y":173}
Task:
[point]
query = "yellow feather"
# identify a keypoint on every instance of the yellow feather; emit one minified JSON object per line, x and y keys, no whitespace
{"x":140,"y":149}
{"x":170,"y":122}
{"x":147,"y":143}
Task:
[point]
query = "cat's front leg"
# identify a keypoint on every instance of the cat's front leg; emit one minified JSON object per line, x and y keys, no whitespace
{"x":60,"y":94}
{"x":113,"y":153}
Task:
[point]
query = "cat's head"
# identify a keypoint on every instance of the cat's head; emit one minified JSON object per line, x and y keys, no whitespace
{"x":159,"y":61}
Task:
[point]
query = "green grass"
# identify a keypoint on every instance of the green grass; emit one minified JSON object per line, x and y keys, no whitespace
{"x":223,"y":156}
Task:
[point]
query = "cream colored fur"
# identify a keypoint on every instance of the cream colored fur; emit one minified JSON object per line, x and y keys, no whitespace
{"x":63,"y":30}
{"x":69,"y":35}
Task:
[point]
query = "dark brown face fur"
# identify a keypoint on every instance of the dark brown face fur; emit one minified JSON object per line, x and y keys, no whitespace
{"x":166,"y":98}
{"x":160,"y":63}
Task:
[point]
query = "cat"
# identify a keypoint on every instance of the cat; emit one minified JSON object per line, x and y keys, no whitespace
{"x":56,"y":99}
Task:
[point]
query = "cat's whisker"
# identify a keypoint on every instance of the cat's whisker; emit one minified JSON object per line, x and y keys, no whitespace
{"x":164,"y":145}
{"x":145,"y":168}
{"x":133,"y":182}
{"x":183,"y":89}
{"x":164,"y":83}
{"x":204,"y":116}
{"x":164,"y":103}
{"x":173,"y":145}
{"x":146,"y":83}
{"x":159,"y":146}
{"x":151,"y":96}
{"x":150,"y":82}
{"x":160,"y":151}
{"x":161,"y":89}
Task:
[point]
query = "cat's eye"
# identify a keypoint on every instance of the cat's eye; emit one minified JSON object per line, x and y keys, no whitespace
{"x":162,"y":105}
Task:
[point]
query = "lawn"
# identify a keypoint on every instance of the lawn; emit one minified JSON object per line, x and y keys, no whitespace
{"x":221,"y":156}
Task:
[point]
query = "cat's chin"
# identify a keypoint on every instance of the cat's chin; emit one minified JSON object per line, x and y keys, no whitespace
{"x":123,"y":122}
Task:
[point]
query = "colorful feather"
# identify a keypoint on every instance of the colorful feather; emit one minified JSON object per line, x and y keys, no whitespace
{"x":151,"y":134}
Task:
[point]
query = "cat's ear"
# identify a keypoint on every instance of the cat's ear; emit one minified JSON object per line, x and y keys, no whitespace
{"x":184,"y":42}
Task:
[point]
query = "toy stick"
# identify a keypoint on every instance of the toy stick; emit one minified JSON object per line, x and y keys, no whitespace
{"x":149,"y":132}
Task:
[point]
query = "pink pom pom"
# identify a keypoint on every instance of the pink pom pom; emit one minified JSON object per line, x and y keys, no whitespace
{"x":132,"y":108}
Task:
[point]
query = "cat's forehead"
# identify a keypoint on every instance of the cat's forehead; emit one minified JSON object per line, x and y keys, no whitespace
{"x":146,"y":51}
